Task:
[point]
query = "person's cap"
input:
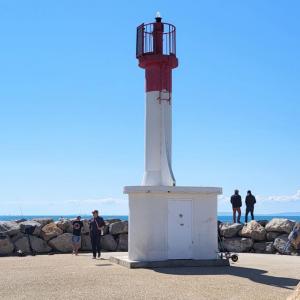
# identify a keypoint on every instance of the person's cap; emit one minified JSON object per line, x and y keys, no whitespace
{"x":95,"y":211}
{"x":249,"y":192}
{"x":236,"y":191}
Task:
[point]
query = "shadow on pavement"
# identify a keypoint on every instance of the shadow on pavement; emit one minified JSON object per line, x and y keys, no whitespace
{"x":256,"y":275}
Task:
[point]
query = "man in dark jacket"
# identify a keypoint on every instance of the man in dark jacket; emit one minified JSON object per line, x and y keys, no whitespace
{"x":236,"y":202}
{"x":250,"y":201}
{"x":96,"y":223}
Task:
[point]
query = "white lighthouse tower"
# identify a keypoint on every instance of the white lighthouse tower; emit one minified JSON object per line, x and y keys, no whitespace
{"x":167,"y":223}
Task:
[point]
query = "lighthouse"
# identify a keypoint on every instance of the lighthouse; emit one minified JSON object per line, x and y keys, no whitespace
{"x":156,"y":53}
{"x":167,"y":223}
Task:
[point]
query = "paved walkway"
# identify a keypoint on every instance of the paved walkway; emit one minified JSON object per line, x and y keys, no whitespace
{"x":254,"y":276}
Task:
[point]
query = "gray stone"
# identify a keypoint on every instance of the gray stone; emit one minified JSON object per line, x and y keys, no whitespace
{"x":20,"y":220}
{"x":237,"y":244}
{"x":270,"y":248}
{"x":22,"y":245}
{"x":32,"y":226}
{"x":118,"y":227}
{"x":50,"y":231}
{"x":6,"y":246}
{"x":9,"y":228}
{"x":17,"y":236}
{"x":105,"y":229}
{"x":260,"y":247}
{"x":38,"y":245}
{"x":110,"y":221}
{"x":294,"y":236}
{"x":108,"y":242}
{"x":271,"y":236}
{"x":229,"y":230}
{"x":123,"y":242}
{"x":280,"y":244}
{"x":43,"y":221}
{"x":86,"y":226}
{"x":62,"y":243}
{"x":65,"y":225}
{"x":86,"y":244}
{"x":280,"y":225}
{"x":254,"y":231}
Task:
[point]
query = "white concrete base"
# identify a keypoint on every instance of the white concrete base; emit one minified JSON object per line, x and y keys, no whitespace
{"x":172,"y":223}
{"x":124,"y":261}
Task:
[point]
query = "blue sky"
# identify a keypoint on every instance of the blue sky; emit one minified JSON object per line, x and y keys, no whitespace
{"x":72,"y":102}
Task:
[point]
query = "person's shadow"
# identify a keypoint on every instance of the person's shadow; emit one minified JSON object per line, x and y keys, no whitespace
{"x":256,"y":275}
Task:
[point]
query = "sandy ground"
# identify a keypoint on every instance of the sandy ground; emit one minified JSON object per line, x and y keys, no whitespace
{"x":254,"y":276}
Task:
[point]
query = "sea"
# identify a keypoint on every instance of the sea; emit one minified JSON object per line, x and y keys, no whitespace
{"x":222,"y":218}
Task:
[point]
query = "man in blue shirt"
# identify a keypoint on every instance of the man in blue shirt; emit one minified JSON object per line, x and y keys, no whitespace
{"x":96,"y":223}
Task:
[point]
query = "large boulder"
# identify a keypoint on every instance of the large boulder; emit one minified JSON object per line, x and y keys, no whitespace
{"x":270,"y":248}
{"x":280,"y":225}
{"x":37,"y":245}
{"x":86,"y":244}
{"x":86,"y":226}
{"x":263,"y":247}
{"x":6,"y":246}
{"x":237,"y":244}
{"x":118,"y":227}
{"x":65,"y":225}
{"x":31,"y":227}
{"x":229,"y":230}
{"x":254,"y":231}
{"x":108,"y":243}
{"x":123,"y":242}
{"x":294,"y":236}
{"x":263,"y":222}
{"x":62,"y":243}
{"x":272,"y":235}
{"x":9,"y":228}
{"x":43,"y":221}
{"x":50,"y":231}
{"x":110,"y":221}
{"x":280,"y":244}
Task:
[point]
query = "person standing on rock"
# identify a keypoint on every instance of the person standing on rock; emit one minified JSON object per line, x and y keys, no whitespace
{"x":250,"y":201}
{"x":76,"y":238}
{"x":236,"y":202}
{"x":96,"y":223}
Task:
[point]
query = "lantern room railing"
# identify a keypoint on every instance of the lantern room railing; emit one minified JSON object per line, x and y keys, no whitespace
{"x":146,"y":35}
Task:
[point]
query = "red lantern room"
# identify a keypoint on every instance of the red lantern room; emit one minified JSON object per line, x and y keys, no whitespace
{"x":156,"y":52}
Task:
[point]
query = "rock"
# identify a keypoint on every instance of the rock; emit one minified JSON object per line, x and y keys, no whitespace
{"x":6,"y":246}
{"x":86,"y":227}
{"x":86,"y":244}
{"x":9,"y":228}
{"x":259,"y":247}
{"x":118,"y":227}
{"x":108,"y":243}
{"x":280,"y":225}
{"x":50,"y":231}
{"x":110,"y":221}
{"x":270,"y":248}
{"x":253,"y":230}
{"x":237,"y":244}
{"x":65,"y":225}
{"x":296,"y":293}
{"x":123,"y":242}
{"x":230,"y":229}
{"x":271,"y":236}
{"x":62,"y":243}
{"x":280,"y":244}
{"x":32,"y":227}
{"x":22,"y":245}
{"x":105,"y":229}
{"x":43,"y":221}
{"x":294,"y":236}
{"x":262,"y":222}
{"x":20,"y":220}
{"x":17,"y":236}
{"x":38,"y":245}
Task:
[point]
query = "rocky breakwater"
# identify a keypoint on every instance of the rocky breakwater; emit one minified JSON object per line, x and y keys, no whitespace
{"x":261,"y":237}
{"x":46,"y":236}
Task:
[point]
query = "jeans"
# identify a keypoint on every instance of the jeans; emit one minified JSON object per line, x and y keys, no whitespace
{"x":238,"y":210}
{"x":96,"y":244}
{"x":249,"y":210}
